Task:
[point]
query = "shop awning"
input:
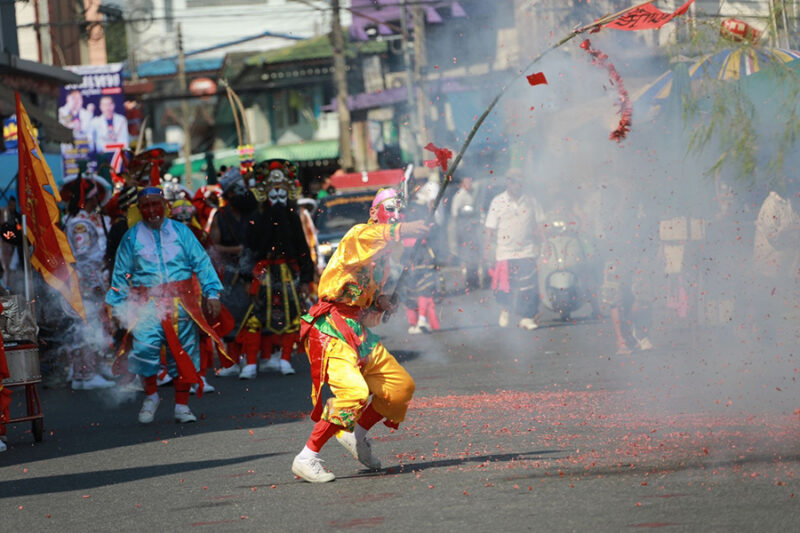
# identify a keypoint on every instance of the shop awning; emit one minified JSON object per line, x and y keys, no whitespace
{"x":298,"y":152}
{"x":306,"y":151}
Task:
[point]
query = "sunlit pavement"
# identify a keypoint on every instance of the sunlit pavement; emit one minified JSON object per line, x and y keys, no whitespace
{"x":544,"y":430}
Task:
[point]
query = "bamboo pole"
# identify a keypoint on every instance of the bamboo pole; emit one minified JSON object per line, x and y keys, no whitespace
{"x":245,"y":129}
{"x":482,"y":118}
{"x":140,"y":139}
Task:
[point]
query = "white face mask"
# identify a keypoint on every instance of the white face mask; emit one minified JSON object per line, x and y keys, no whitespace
{"x":278,"y":196}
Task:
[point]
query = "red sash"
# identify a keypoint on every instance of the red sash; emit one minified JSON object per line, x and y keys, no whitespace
{"x":317,"y":341}
{"x":167,"y":298}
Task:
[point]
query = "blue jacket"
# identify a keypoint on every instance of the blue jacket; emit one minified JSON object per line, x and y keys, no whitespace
{"x":148,"y":257}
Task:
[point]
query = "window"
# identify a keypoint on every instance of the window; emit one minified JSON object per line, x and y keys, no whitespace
{"x":219,"y":3}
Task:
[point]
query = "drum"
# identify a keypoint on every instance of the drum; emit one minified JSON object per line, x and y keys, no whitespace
{"x":23,"y":365}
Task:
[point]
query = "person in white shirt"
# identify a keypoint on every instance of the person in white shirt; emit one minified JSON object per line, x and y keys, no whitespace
{"x":514,"y":225}
{"x":108,"y":128}
{"x":74,"y":116}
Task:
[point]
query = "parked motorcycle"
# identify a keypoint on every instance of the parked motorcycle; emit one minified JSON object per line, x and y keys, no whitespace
{"x":565,"y":277}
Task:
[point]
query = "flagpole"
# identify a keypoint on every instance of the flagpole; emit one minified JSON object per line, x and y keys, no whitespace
{"x":22,"y":195}
{"x":26,"y":259}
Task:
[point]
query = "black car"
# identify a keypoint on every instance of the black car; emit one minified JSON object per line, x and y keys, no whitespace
{"x":336,"y":214}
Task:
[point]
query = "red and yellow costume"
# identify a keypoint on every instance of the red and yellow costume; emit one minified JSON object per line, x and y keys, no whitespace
{"x":343,"y":352}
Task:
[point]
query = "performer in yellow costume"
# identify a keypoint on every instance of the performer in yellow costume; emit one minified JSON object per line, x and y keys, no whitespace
{"x":344,"y":353}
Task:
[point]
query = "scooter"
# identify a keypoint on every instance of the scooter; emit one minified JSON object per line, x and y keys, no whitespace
{"x":564,"y":271}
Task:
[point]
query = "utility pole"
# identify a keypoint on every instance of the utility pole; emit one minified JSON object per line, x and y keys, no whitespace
{"x":182,"y":87}
{"x":340,"y":80}
{"x":412,"y":107}
{"x":420,"y":68}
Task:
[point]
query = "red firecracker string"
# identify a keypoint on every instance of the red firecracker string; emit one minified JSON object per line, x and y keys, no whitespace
{"x":625,"y":108}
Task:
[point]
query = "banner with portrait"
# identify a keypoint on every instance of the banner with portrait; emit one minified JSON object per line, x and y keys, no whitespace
{"x":94,"y":111}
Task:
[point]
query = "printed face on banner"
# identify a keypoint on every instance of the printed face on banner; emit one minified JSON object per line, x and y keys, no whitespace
{"x":94,"y":110}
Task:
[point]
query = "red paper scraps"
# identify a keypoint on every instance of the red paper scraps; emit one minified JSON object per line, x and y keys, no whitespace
{"x":443,"y":155}
{"x":537,"y":78}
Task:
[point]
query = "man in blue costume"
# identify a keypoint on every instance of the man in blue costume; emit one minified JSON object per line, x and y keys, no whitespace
{"x":162,"y":277}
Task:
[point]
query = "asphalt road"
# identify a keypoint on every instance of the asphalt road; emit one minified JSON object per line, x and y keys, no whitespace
{"x":510,"y":430}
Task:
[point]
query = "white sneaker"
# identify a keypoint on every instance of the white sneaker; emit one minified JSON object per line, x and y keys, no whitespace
{"x":135,"y":385}
{"x":183,"y":414}
{"x":503,"y":320}
{"x":77,"y":384}
{"x":106,"y":371}
{"x":423,"y":325}
{"x":360,"y":449}
{"x":528,"y":323}
{"x":645,"y":344}
{"x":248,"y":372}
{"x":161,"y":382}
{"x":311,"y":470}
{"x":414,"y":330}
{"x":207,"y":387}
{"x":3,"y":446}
{"x":273,"y":364}
{"x":148,"y":411}
{"x":231,"y":371}
{"x":286,"y":367}
{"x":97,"y":382}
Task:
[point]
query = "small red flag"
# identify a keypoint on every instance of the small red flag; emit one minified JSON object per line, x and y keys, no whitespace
{"x":443,"y":155}
{"x":646,"y":17}
{"x":537,"y":79}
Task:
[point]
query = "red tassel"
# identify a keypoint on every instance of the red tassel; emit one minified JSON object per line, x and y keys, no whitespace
{"x":625,"y":108}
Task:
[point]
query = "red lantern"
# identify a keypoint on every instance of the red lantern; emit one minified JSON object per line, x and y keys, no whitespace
{"x":739,"y":31}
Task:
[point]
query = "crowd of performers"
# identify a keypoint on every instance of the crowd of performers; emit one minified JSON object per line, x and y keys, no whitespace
{"x":232,"y":260}
{"x":175,"y":284}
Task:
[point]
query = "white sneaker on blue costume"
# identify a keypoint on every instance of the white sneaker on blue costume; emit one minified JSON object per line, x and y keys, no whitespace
{"x":183,"y":414}
{"x":3,"y":446}
{"x":149,"y":406}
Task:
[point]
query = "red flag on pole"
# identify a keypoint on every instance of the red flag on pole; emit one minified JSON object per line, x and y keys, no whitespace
{"x":537,"y":78}
{"x":38,"y":197}
{"x":646,"y":17}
